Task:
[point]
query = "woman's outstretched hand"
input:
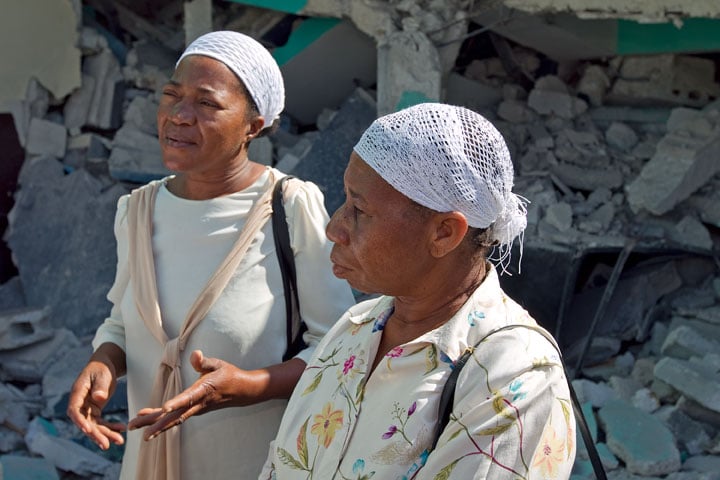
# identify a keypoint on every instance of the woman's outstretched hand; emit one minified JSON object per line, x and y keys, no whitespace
{"x":220,"y":385}
{"x":91,"y":391}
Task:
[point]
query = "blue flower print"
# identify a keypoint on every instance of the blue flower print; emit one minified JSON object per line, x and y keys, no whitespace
{"x":382,"y":320}
{"x":475,"y":316}
{"x":515,"y":388}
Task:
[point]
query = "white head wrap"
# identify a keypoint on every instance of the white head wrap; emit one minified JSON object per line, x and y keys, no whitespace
{"x":449,"y":158}
{"x":251,"y":62}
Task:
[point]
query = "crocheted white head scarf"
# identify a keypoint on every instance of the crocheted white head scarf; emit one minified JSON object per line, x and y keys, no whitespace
{"x":448,"y":158}
{"x":251,"y":62}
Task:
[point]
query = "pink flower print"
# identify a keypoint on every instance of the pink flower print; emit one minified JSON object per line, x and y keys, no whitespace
{"x":348,"y":365}
{"x":395,"y":352}
{"x":391,"y":431}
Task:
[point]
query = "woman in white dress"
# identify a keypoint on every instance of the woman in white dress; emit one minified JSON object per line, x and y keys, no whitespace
{"x":198,"y":277}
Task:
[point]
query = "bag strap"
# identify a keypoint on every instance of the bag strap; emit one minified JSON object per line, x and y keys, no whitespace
{"x":294,"y":324}
{"x":447,"y":398}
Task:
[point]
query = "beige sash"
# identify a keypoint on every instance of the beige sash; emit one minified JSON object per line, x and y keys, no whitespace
{"x":159,"y":459}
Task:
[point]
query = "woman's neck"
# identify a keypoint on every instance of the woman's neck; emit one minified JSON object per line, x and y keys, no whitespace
{"x":424,"y":313}
{"x":192,"y":186}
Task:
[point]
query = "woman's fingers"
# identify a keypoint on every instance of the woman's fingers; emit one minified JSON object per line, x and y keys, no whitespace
{"x":168,"y":421}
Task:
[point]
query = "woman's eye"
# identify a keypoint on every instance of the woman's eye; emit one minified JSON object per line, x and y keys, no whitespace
{"x":208,"y":103}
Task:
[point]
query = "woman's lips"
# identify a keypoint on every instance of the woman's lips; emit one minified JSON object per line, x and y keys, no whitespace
{"x":337,"y":268}
{"x":178,"y":142}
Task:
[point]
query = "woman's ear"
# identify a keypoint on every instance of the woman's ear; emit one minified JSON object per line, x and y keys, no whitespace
{"x":449,"y":231}
{"x":255,"y":126}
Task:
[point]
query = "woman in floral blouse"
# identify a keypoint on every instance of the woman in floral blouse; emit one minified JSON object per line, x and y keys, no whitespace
{"x":428,"y":198}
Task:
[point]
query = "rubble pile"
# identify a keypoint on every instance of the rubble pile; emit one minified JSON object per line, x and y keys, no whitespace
{"x":618,"y":160}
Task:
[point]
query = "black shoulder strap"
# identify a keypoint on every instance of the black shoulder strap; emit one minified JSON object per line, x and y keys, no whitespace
{"x":447,"y":399}
{"x":294,"y":325}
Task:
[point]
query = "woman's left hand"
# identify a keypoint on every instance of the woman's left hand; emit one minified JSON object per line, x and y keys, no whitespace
{"x":221,"y":384}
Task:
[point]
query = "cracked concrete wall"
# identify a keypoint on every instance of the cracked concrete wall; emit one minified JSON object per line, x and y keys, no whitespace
{"x":650,"y":10}
{"x":49,"y":54}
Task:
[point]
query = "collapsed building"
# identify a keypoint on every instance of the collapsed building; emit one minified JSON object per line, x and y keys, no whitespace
{"x":611,"y":111}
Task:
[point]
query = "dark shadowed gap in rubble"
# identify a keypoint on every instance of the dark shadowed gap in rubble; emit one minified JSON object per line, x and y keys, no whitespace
{"x":563,"y":290}
{"x":12,"y":159}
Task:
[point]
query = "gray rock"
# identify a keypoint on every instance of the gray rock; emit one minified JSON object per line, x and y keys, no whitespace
{"x":73,"y":269}
{"x":16,"y":467}
{"x":46,"y":138}
{"x":586,"y":178}
{"x":24,"y":326}
{"x":704,"y":464}
{"x":640,"y":440}
{"x":680,"y":166}
{"x":621,"y":136}
{"x":136,"y":156}
{"x":689,"y":434}
{"x":684,"y":342}
{"x":325,"y":163}
{"x":29,"y":364}
{"x":11,"y":294}
{"x":692,"y":233}
{"x":65,"y":454}
{"x":597,"y":394}
{"x":560,"y":216}
{"x":697,"y":382}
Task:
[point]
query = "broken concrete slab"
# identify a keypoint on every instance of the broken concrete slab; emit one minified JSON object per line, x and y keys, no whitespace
{"x":105,"y":111}
{"x":46,"y":138}
{"x":136,"y":156}
{"x":305,"y":66}
{"x":18,"y":467}
{"x":141,"y":113}
{"x":408,"y":66}
{"x":65,"y":454}
{"x":681,"y":165}
{"x":689,"y":434}
{"x":640,"y":440}
{"x":324,"y":164}
{"x":29,"y":363}
{"x":11,"y":294}
{"x":697,"y":382}
{"x":197,"y":19}
{"x":50,"y":54}
{"x":23,"y":326}
{"x":684,"y":342}
{"x":77,"y":106}
{"x":460,"y":90}
{"x":669,"y":79}
{"x":73,"y":270}
{"x":149,"y":65}
{"x":586,"y":178}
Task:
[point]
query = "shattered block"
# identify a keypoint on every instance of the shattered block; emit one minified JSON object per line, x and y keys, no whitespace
{"x":73,"y":268}
{"x":324,"y":164}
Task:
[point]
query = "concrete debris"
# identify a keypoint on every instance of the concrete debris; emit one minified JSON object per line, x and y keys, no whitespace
{"x":684,"y":161}
{"x":64,"y":454}
{"x":24,"y":326}
{"x":49,"y":55}
{"x":27,"y":468}
{"x":640,"y":440}
{"x":610,"y":152}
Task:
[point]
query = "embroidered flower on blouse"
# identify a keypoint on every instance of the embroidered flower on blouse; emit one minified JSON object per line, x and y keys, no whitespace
{"x":348,"y":365}
{"x":475,"y":316}
{"x":326,"y":424}
{"x":550,"y":454}
{"x":515,"y":389}
{"x":395,"y":352}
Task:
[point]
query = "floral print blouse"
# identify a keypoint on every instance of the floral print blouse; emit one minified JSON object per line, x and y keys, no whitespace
{"x":512,"y":417}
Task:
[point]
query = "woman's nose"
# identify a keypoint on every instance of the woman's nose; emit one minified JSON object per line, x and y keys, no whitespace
{"x":334,"y":231}
{"x":181,"y":113}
